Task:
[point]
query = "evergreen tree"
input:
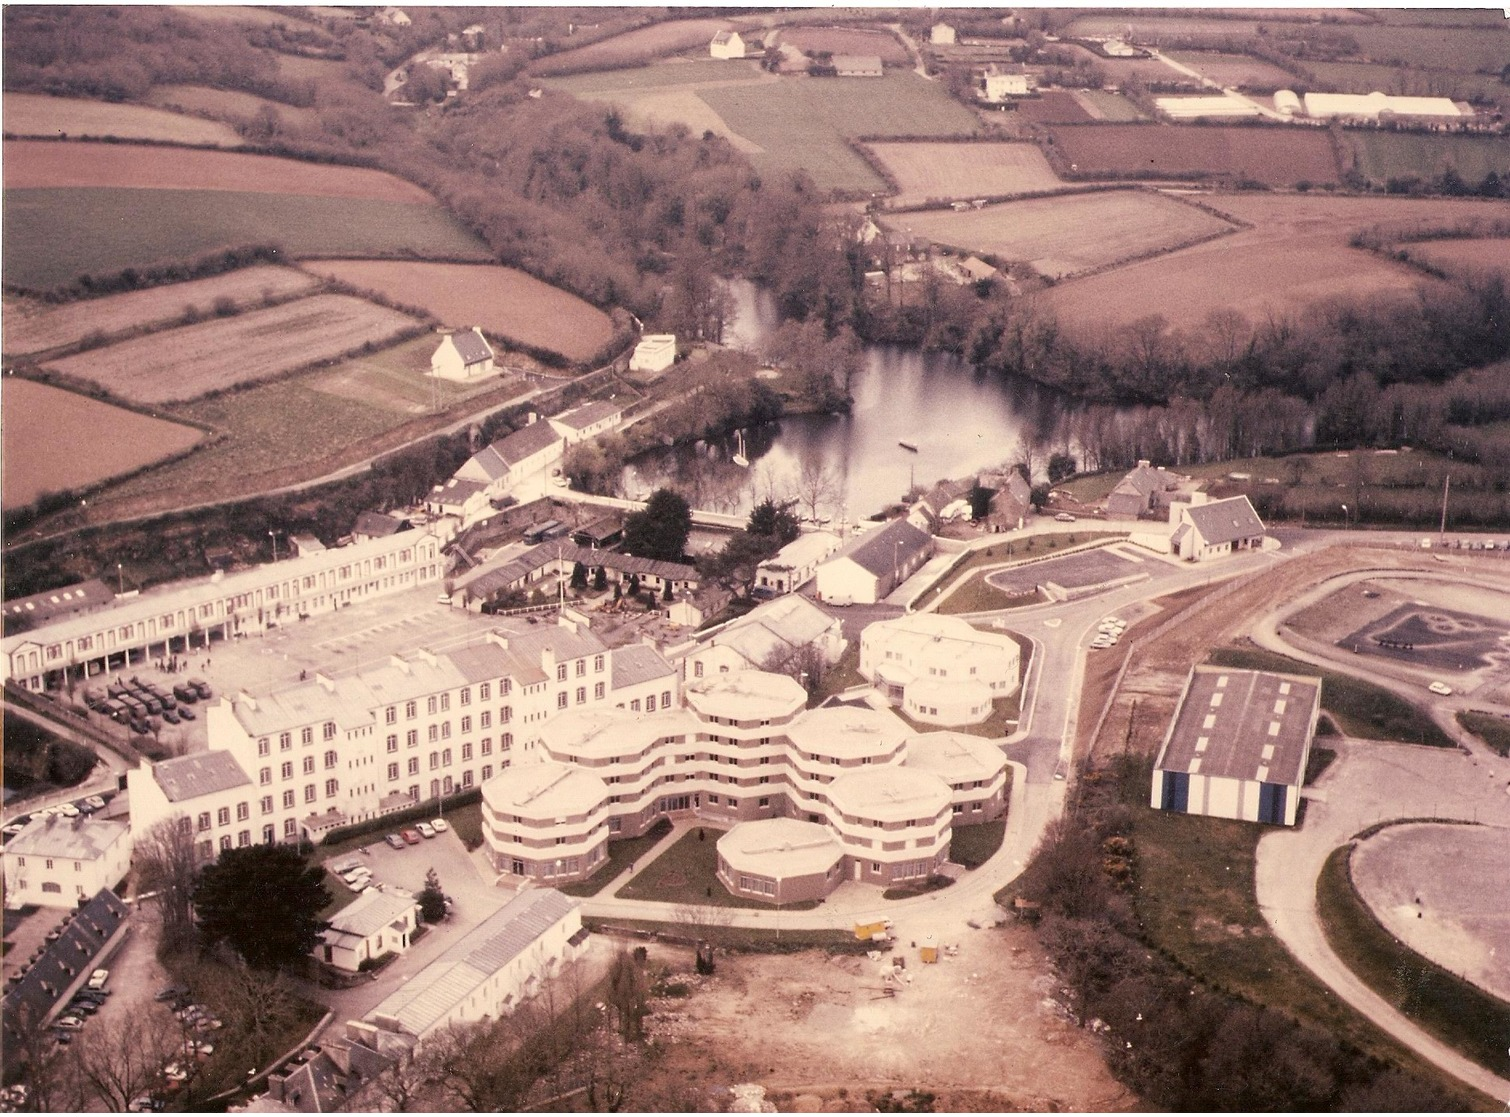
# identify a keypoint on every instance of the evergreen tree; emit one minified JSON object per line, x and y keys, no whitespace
{"x":264,"y":901}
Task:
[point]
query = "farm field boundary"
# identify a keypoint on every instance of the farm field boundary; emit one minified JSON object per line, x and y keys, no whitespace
{"x":33,"y":164}
{"x":55,"y":236}
{"x":922,"y":171}
{"x":632,"y":48}
{"x":505,"y":302}
{"x":37,"y":114}
{"x":33,"y":327}
{"x":72,"y":443}
{"x":1274,"y":156}
{"x":1383,"y":156}
{"x":192,"y":361}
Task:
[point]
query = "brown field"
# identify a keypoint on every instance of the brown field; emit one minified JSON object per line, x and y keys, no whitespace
{"x":57,"y":440}
{"x":640,"y":45}
{"x":503,"y":301}
{"x":1295,"y":256}
{"x":1065,"y":235}
{"x":34,"y":327}
{"x":1122,"y":70}
{"x":1238,"y":71}
{"x":187,"y":362}
{"x":1464,"y":257}
{"x":1278,"y":156}
{"x":846,"y":40}
{"x":1053,"y":106}
{"x":226,"y":104}
{"x":973,"y":170}
{"x":35,"y":163}
{"x":36,"y":114}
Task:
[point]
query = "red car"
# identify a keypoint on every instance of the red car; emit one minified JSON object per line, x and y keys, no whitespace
{"x":411,"y":836}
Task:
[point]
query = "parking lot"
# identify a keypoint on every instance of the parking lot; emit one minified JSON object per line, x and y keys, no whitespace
{"x":1087,"y":568}
{"x":473,"y":895}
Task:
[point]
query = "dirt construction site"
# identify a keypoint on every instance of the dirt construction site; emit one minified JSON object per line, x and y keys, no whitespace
{"x":981,"y":1029}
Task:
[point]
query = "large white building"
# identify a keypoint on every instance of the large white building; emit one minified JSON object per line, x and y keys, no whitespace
{"x":744,"y":751}
{"x":211,"y":794}
{"x":1376,"y":106}
{"x":338,"y":749}
{"x":796,"y":563}
{"x":940,"y":670}
{"x":56,"y":862}
{"x":768,"y":637}
{"x":654,"y":353}
{"x":525,"y":453}
{"x":870,"y":566}
{"x":173,"y":618}
{"x":1238,"y":745}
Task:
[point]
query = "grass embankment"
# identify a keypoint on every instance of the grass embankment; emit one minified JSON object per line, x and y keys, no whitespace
{"x":975,"y":596}
{"x":1196,"y":900}
{"x":1361,"y":709}
{"x":840,"y":677}
{"x":621,"y":855}
{"x":973,"y":846}
{"x":687,"y":873}
{"x":756,"y":940}
{"x":1492,"y":729}
{"x":1457,"y":1012}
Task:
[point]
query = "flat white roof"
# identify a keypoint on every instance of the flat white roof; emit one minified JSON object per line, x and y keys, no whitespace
{"x":847,"y":732}
{"x":955,"y":757}
{"x":780,"y":848}
{"x":747,"y":696}
{"x":890,"y":794}
{"x":546,"y":790}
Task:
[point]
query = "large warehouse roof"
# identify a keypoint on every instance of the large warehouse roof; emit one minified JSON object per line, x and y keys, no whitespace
{"x":1243,"y":725}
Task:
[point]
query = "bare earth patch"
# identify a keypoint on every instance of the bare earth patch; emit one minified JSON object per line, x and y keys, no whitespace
{"x":32,"y":326}
{"x":505,"y":302}
{"x":1465,"y":257}
{"x":33,"y":163}
{"x":1278,"y":156}
{"x":57,"y":440}
{"x":1062,"y":236}
{"x":36,"y":114}
{"x":951,"y":170}
{"x":190,"y":361}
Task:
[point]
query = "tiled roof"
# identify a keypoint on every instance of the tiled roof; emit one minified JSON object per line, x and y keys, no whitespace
{"x":55,"y":603}
{"x":589,"y":413}
{"x":1243,"y":725}
{"x":1225,"y":521}
{"x":376,"y":525}
{"x":204,"y":773}
{"x":473,"y":349}
{"x":457,"y":491}
{"x":72,"y":839}
{"x":62,"y":965}
{"x":638,"y":663}
{"x":430,"y":995}
{"x":525,"y":442}
{"x":370,"y":913}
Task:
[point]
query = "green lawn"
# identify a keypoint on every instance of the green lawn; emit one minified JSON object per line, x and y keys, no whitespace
{"x":1386,"y":155}
{"x":803,"y":123}
{"x":1361,"y":709}
{"x":1466,"y":50}
{"x":975,"y":596}
{"x":54,"y":235}
{"x":621,"y":855}
{"x":1457,"y":1012}
{"x":1113,"y":106}
{"x":1493,"y":730}
{"x":972,"y":846}
{"x":687,"y":873}
{"x":841,"y":676}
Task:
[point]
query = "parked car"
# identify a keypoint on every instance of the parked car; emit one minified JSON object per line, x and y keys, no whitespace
{"x":440,"y":825}
{"x":394,"y":840}
{"x":425,"y":829}
{"x":202,"y":687}
{"x":411,"y":836}
{"x":1441,"y":688}
{"x":171,"y":716}
{"x":169,"y":992}
{"x":355,"y":875}
{"x":96,"y":801}
{"x":143,"y":1103}
{"x":1065,"y":518}
{"x":185,"y":693}
{"x":87,"y":1008}
{"x":98,"y":979}
{"x":187,"y":713}
{"x":69,"y":1023}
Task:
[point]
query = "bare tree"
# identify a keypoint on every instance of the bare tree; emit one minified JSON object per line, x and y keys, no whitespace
{"x":816,"y":484}
{"x":401,"y":1084}
{"x":704,"y":923}
{"x":120,"y":1059}
{"x":49,"y":1072}
{"x":805,"y":663}
{"x":628,"y":994}
{"x":167,"y":871}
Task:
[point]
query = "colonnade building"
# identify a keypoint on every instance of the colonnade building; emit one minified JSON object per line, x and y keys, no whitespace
{"x":875,"y":801}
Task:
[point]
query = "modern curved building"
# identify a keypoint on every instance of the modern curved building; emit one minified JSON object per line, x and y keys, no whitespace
{"x":940,"y":670}
{"x":811,"y":797}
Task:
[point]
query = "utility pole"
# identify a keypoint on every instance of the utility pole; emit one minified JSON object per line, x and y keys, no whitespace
{"x":1442,"y":529}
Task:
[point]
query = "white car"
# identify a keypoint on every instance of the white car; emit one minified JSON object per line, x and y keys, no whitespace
{"x":440,"y":826}
{"x":1440,"y":688}
{"x":357,"y":877}
{"x":98,"y":979}
{"x":425,"y":829}
{"x":68,"y":810}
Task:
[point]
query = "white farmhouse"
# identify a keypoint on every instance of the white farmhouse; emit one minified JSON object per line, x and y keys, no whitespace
{"x":463,"y":356}
{"x":726,"y":45}
{"x":56,"y":862}
{"x":372,"y":926}
{"x":1004,"y":83}
{"x":941,"y":35}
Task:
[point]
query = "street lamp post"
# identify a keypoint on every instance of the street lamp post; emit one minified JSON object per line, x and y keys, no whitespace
{"x":120,"y":575}
{"x":1344,"y":517}
{"x":273,"y":535}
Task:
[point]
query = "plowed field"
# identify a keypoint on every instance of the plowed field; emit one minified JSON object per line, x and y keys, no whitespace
{"x":1465,"y":257}
{"x":34,"y":114}
{"x":190,"y":361}
{"x":1295,"y":256}
{"x":506,"y":303}
{"x":1278,"y":156}
{"x":1063,"y":236}
{"x":56,"y":440}
{"x":640,"y":45}
{"x":32,"y":163}
{"x":846,"y":40}
{"x":952,"y":170}
{"x":33,"y":327}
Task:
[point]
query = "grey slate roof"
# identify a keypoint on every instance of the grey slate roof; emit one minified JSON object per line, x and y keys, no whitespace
{"x":897,"y":542}
{"x":638,"y":663}
{"x":589,"y":413}
{"x":427,"y":997}
{"x":63,"y":964}
{"x":525,"y":443}
{"x":470,"y":344}
{"x":376,"y":525}
{"x":1225,"y":521}
{"x":44,"y":606}
{"x":457,"y":491}
{"x":1259,"y":726}
{"x":70,"y":839}
{"x":188,"y":777}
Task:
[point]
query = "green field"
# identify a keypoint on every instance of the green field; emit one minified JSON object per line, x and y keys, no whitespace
{"x":668,"y":75}
{"x":1113,"y":107}
{"x":1366,"y":77}
{"x":1467,"y":50}
{"x":52,"y":236}
{"x":687,"y":873}
{"x":1457,"y":1012}
{"x":1493,"y":730}
{"x":1386,"y":155}
{"x":1360,"y":708}
{"x":802,"y":123}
